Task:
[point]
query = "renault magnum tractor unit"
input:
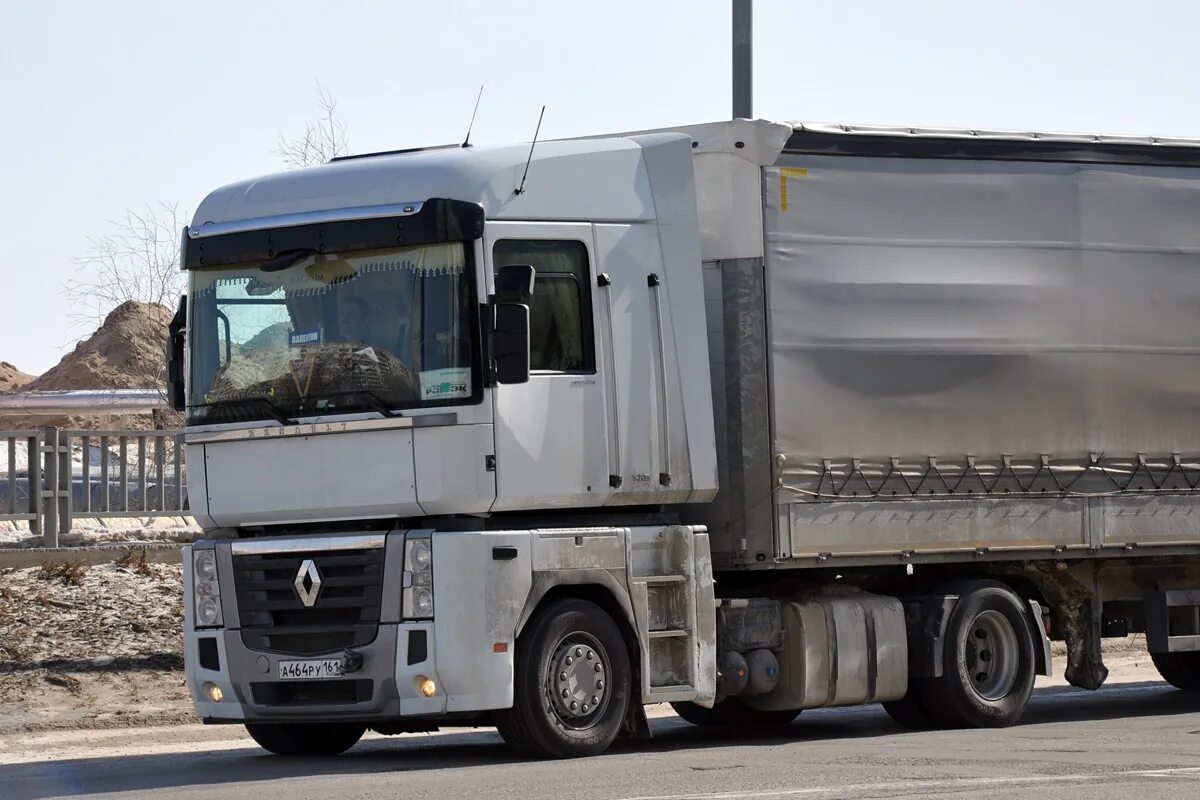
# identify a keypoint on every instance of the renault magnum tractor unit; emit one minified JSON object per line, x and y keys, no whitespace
{"x":744,"y":417}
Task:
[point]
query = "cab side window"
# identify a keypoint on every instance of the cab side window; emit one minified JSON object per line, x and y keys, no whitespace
{"x":560,"y":314}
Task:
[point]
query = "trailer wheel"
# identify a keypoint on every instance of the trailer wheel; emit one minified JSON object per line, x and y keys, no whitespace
{"x":1181,"y":670}
{"x":305,"y":739}
{"x":989,"y":665}
{"x":908,"y":711}
{"x":733,"y":713}
{"x":570,"y":685}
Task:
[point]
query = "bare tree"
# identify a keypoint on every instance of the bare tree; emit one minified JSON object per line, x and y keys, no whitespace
{"x":321,"y":141}
{"x":138,"y":260}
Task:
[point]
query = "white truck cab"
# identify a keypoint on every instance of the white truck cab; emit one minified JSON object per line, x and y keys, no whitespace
{"x":347,"y":403}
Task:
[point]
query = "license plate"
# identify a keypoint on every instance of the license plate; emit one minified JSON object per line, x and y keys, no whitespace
{"x":313,"y":669}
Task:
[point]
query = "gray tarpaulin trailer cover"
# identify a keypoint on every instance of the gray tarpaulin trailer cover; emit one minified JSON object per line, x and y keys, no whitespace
{"x":983,"y":354}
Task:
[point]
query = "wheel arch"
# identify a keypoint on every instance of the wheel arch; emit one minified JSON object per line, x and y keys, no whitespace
{"x":597,"y":586}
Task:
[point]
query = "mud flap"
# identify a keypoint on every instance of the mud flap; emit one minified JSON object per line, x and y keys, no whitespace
{"x":1081,"y":629}
{"x":635,"y":725}
{"x":1041,"y":649}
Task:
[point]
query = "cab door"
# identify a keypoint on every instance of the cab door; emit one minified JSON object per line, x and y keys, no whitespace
{"x":552,"y":432}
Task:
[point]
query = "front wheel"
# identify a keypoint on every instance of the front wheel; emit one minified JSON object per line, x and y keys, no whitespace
{"x":1181,"y":670}
{"x":571,"y":683}
{"x":305,"y":739}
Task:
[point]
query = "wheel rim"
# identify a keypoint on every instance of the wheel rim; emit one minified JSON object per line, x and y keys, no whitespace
{"x":990,"y":655}
{"x":577,"y":680}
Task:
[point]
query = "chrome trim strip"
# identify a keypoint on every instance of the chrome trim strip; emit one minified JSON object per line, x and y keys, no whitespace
{"x":321,"y":428}
{"x":307,"y":544}
{"x":304,"y":218}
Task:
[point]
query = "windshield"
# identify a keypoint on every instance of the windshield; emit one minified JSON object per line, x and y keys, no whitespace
{"x":315,"y":334}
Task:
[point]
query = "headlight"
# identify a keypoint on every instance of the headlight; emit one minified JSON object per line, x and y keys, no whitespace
{"x":417,"y":599}
{"x":206,"y":565}
{"x":422,"y":603}
{"x":208,"y":612}
{"x":206,"y":591}
{"x":422,"y":556}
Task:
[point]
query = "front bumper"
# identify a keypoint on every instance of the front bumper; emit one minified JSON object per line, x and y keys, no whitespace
{"x":385,"y":687}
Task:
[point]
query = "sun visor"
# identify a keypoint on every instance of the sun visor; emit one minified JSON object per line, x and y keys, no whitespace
{"x":435,"y":221}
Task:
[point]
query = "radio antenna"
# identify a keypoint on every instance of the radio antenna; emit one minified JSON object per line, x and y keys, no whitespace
{"x":532,"y":144}
{"x":467,"y":141}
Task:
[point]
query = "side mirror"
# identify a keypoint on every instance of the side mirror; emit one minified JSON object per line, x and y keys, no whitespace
{"x":176,"y":339}
{"x":510,"y":342}
{"x":514,"y":283}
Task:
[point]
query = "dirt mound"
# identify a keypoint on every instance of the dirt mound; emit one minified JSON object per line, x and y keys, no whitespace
{"x":12,"y":378}
{"x":126,"y":352}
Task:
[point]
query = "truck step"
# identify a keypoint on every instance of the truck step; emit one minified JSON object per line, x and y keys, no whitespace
{"x":669,"y":633}
{"x":672,"y":689}
{"x":661,"y":579}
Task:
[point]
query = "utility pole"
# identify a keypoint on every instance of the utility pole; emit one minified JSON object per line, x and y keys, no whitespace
{"x":743,"y":59}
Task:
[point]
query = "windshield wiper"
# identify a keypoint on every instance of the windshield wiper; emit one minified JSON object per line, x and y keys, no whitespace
{"x":373,"y":401}
{"x":274,"y":411}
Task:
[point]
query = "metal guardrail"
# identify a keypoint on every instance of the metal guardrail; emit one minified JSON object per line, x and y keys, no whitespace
{"x":119,"y":474}
{"x":75,"y":401}
{"x":21,"y":499}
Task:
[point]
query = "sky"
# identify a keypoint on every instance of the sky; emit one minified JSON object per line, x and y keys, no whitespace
{"x":113,"y":106}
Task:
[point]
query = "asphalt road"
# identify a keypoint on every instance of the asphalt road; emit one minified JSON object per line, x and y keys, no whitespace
{"x":1134,"y":740}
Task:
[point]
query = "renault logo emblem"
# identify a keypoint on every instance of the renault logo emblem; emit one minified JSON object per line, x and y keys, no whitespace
{"x":307,"y":583}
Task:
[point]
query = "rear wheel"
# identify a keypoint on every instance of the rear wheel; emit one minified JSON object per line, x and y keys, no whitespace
{"x":1181,"y":670}
{"x":989,"y":664}
{"x":571,"y":683}
{"x":733,"y":713}
{"x":305,"y":739}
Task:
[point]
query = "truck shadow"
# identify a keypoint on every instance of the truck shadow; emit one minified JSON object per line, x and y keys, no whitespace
{"x":483,"y":748}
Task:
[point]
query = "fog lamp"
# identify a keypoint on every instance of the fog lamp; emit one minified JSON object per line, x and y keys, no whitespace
{"x":213,"y":692}
{"x":426,"y":686}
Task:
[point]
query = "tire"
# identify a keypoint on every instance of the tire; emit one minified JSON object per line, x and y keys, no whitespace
{"x":578,"y":640}
{"x":908,"y":711}
{"x":989,"y":667}
{"x":733,"y":713}
{"x":1181,"y":670}
{"x":305,"y":739}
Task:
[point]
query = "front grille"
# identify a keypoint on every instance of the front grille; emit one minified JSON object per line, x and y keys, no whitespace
{"x":345,"y":614}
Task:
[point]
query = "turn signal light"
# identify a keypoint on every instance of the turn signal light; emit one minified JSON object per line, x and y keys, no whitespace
{"x":426,"y":686}
{"x":213,"y":692}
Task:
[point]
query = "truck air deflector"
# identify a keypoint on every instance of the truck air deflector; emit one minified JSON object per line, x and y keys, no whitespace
{"x":438,"y":221}
{"x":992,"y":147}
